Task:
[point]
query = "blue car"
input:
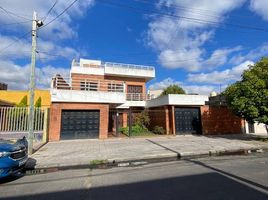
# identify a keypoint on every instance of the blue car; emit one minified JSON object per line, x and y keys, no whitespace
{"x":13,"y":156}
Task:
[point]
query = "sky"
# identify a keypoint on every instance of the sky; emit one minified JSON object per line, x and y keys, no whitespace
{"x":202,"y":45}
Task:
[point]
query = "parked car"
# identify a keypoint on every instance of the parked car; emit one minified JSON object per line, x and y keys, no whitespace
{"x":13,"y":156}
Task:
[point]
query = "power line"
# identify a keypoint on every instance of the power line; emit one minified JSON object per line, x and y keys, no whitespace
{"x":192,"y":19}
{"x":14,"y":14}
{"x":67,"y":8}
{"x":49,"y":11}
{"x":16,"y":40}
{"x":15,"y":23}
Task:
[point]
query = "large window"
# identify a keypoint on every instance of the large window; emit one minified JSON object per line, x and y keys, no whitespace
{"x":112,"y":87}
{"x":89,"y":86}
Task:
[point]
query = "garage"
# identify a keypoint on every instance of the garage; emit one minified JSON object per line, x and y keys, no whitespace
{"x":187,"y":121}
{"x":80,"y":124}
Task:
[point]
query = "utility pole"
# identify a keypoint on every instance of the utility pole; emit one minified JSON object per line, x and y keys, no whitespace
{"x":32,"y":83}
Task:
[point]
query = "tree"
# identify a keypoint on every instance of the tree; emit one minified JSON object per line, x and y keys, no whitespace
{"x":38,"y":102}
{"x":23,"y":102}
{"x":173,"y":89}
{"x":248,"y":98}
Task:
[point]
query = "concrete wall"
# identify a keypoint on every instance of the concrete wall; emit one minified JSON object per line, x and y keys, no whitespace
{"x":55,"y":117}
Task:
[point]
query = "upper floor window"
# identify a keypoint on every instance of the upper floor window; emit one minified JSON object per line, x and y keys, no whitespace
{"x":112,"y":87}
{"x":89,"y":86}
{"x":134,"y":89}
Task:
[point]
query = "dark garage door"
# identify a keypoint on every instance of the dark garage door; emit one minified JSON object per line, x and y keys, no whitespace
{"x":187,"y":121}
{"x":80,"y":124}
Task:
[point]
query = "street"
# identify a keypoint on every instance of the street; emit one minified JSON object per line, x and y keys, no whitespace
{"x":228,"y":177}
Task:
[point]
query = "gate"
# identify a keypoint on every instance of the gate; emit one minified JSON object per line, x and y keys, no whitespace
{"x":14,"y":123}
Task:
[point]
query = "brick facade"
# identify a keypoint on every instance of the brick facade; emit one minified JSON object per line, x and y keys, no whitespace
{"x":218,"y":120}
{"x":55,"y":117}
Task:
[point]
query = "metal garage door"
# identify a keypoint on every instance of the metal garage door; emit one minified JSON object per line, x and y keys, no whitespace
{"x":80,"y":124}
{"x":187,"y":121}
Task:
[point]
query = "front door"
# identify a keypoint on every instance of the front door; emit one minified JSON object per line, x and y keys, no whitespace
{"x":187,"y":121}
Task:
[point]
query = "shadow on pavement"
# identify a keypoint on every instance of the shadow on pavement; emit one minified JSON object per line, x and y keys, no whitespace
{"x":204,"y":186}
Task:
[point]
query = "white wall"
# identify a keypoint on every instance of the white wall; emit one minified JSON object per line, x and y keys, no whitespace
{"x":87,"y":96}
{"x":259,"y":129}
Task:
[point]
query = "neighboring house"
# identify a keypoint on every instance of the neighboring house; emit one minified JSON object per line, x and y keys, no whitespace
{"x":6,"y":104}
{"x":3,"y":86}
{"x":256,"y":128}
{"x":154,"y":93}
{"x":85,"y":104}
{"x":15,"y":96}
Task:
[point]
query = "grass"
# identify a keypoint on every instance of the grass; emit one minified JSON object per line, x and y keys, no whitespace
{"x":98,"y":162}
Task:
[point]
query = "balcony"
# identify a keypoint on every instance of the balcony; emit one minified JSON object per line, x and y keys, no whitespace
{"x":87,"y":90}
{"x":97,"y":67}
{"x":130,"y":70}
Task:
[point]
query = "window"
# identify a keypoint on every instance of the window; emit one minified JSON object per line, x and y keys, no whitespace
{"x":89,"y":86}
{"x":112,"y":87}
{"x":134,"y":89}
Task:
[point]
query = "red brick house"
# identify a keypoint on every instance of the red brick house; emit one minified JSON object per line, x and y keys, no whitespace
{"x":86,"y":104}
{"x":82,"y":104}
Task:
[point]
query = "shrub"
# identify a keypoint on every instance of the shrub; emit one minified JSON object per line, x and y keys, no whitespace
{"x":159,"y":130}
{"x":38,"y":103}
{"x":142,"y":119}
{"x":124,"y":130}
{"x":23,"y":102}
{"x":137,"y":129}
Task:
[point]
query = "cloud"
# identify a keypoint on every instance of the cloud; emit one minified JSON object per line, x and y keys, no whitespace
{"x":254,"y":54}
{"x":196,"y":89}
{"x":220,"y":77}
{"x":18,"y":77}
{"x":260,"y":7}
{"x":21,"y":48}
{"x":59,"y":29}
{"x":179,"y":40}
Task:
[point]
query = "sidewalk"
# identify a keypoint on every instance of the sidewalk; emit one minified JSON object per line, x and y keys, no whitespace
{"x":85,"y":152}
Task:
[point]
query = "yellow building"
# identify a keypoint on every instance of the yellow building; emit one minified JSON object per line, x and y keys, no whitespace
{"x":15,"y":96}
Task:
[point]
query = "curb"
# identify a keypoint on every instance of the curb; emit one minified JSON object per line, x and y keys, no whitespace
{"x":31,"y":170}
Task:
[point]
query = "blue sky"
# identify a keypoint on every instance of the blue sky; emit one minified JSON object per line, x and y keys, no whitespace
{"x":202,"y":45}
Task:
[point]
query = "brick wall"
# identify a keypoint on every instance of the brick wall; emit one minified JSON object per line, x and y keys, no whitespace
{"x":220,"y":120}
{"x":159,"y":117}
{"x":115,"y":79}
{"x":55,"y":117}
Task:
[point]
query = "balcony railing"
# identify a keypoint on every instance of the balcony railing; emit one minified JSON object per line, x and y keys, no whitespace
{"x":129,"y":66}
{"x":137,"y":97}
{"x":87,"y":84}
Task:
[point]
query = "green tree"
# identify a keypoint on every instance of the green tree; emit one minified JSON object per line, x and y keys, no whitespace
{"x":173,"y":89}
{"x":38,"y":102}
{"x":23,"y":102}
{"x":248,"y":98}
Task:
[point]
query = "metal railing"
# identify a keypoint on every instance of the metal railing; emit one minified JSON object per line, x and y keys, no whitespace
{"x":87,"y":84}
{"x":130,"y":66}
{"x":137,"y":97}
{"x":16,"y":119}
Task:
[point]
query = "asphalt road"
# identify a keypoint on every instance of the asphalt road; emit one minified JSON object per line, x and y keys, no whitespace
{"x":226,"y":178}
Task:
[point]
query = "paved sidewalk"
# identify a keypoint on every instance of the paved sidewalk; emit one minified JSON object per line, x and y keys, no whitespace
{"x":83,"y":152}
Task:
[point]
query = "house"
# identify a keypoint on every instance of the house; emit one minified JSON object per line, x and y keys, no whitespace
{"x":15,"y":96}
{"x":3,"y":86}
{"x":99,"y":97}
{"x":85,"y":104}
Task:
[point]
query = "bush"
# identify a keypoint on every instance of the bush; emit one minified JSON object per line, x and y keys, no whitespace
{"x":23,"y":102}
{"x":124,"y":130}
{"x":142,"y":119}
{"x":137,"y":129}
{"x":159,"y":130}
{"x":38,"y":103}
